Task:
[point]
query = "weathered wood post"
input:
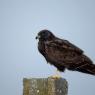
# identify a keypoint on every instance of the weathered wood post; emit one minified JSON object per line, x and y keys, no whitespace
{"x":45,"y":86}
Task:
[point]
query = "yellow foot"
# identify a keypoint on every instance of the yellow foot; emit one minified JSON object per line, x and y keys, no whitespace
{"x":55,"y":76}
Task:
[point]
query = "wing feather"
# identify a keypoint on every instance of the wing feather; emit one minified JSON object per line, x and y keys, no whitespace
{"x":64,"y":44}
{"x":62,"y":52}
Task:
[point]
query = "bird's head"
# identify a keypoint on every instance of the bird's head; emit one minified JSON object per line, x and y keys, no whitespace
{"x":45,"y":35}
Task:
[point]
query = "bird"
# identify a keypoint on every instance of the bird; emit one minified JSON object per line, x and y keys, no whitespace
{"x":62,"y":54}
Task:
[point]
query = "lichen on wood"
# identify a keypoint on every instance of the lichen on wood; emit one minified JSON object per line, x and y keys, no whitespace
{"x":45,"y":86}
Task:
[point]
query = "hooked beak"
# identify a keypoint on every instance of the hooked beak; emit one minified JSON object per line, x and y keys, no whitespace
{"x":37,"y":37}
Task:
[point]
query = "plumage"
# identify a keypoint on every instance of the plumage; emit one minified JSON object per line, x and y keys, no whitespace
{"x":63,"y":54}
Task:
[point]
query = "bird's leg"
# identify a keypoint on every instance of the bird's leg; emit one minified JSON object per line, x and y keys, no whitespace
{"x":57,"y":75}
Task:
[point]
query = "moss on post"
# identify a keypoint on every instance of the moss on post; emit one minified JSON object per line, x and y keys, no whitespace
{"x":45,"y":86}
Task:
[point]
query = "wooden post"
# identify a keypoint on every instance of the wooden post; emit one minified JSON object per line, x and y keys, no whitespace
{"x":45,"y":86}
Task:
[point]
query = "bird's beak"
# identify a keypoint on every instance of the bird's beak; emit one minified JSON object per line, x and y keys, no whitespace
{"x":37,"y":37}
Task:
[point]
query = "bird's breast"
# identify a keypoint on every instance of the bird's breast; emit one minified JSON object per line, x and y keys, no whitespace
{"x":41,"y":47}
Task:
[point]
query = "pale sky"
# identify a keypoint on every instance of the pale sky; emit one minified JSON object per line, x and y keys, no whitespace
{"x":21,"y":20}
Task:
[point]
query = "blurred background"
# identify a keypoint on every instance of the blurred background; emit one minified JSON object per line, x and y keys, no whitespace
{"x":21,"y":20}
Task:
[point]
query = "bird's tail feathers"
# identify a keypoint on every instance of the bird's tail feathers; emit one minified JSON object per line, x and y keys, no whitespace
{"x":87,"y":68}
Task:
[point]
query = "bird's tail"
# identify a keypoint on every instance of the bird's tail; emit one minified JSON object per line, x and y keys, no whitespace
{"x":87,"y":66}
{"x":89,"y":69}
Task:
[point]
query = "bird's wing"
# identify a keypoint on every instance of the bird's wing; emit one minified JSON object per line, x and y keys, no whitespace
{"x":62,"y":51}
{"x":64,"y":44}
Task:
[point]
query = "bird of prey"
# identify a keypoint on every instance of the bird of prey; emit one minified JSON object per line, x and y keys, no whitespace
{"x":63,"y":54}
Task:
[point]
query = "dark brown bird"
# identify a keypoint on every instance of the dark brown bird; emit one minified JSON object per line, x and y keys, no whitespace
{"x":63,"y":54}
